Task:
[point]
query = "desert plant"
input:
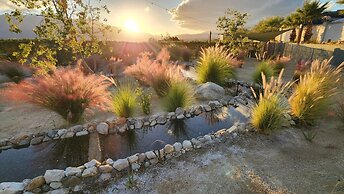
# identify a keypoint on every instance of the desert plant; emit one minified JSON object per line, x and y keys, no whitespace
{"x":214,"y":65}
{"x":266,"y":68}
{"x":313,"y":93}
{"x":15,"y":72}
{"x":124,"y":100}
{"x":280,"y":63}
{"x":144,"y":100}
{"x":156,"y":73}
{"x":180,"y":94}
{"x":66,"y":91}
{"x":268,"y":113}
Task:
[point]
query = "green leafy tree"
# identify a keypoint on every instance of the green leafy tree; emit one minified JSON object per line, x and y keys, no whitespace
{"x":340,"y":1}
{"x":71,"y":28}
{"x":311,"y":10}
{"x":232,"y":24}
{"x":269,"y":24}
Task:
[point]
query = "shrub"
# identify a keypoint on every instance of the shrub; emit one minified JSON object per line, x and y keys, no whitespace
{"x":280,"y":63}
{"x":156,"y":73}
{"x":124,"y":100}
{"x":214,"y":66}
{"x":268,"y":113}
{"x":264,"y":67}
{"x":313,"y":93}
{"x":15,"y":72}
{"x":144,"y":100}
{"x":180,"y":95}
{"x":66,"y":91}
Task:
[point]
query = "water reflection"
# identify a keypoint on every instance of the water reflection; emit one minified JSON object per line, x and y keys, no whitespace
{"x":178,"y":129}
{"x":216,"y":116}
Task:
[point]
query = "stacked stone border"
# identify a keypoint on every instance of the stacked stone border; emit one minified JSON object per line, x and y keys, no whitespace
{"x":61,"y":181}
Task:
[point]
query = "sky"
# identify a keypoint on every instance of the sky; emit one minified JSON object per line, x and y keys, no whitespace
{"x":186,"y":16}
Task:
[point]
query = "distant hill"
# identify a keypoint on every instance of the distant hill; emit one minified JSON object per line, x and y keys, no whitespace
{"x":197,"y":37}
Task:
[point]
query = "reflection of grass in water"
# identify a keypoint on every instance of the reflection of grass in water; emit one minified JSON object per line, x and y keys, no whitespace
{"x":178,"y":128}
{"x":131,"y":139}
{"x":216,"y":116}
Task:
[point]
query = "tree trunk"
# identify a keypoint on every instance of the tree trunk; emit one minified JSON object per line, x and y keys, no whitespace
{"x":299,"y":35}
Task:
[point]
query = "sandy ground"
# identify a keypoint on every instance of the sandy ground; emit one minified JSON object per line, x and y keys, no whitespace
{"x":283,"y":162}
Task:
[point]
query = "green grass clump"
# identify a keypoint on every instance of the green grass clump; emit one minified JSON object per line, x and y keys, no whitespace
{"x":180,"y":95}
{"x":266,"y":68}
{"x":144,"y":100}
{"x":214,"y":66}
{"x":124,"y":101}
{"x":313,"y":94}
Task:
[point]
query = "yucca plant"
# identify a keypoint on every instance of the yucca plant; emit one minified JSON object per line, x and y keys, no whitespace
{"x":124,"y":100}
{"x":268,"y":113}
{"x":66,"y":91}
{"x":266,"y":68}
{"x":312,"y":95}
{"x":214,"y":65}
{"x":181,"y":94}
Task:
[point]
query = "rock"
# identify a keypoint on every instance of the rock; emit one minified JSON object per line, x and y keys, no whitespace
{"x":61,"y":132}
{"x":150,"y":155}
{"x":187,"y":145}
{"x":121,"y":164}
{"x":138,"y":124}
{"x":59,"y":191}
{"x":91,"y":163}
{"x":45,"y":188}
{"x":153,"y":123}
{"x":207,"y":137}
{"x":179,"y":111}
{"x":76,"y":128}
{"x":142,"y":157}
{"x":73,"y":171}
{"x":154,"y":161}
{"x":195,"y":143}
{"x":215,"y":104}
{"x":207,"y":108}
{"x":69,"y":134}
{"x":53,"y":175}
{"x":92,"y":171}
{"x":35,"y":183}
{"x":198,"y":110}
{"x":109,"y":161}
{"x":177,"y":146}
{"x":71,"y":181}
{"x":161,"y":120}
{"x":180,"y":116}
{"x":135,"y":166}
{"x":171,"y":115}
{"x":11,"y":187}
{"x":131,"y":127}
{"x":105,"y":177}
{"x":105,"y":168}
{"x":133,"y":158}
{"x":122,"y":128}
{"x":52,"y":134}
{"x":209,"y":91}
{"x":168,"y":148}
{"x":81,"y":133}
{"x":55,"y":185}
{"x":103,"y":128}
{"x":37,"y":140}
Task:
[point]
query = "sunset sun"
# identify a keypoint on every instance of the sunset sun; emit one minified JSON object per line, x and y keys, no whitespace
{"x":131,"y":25}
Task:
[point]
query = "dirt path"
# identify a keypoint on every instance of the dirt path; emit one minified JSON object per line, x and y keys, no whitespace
{"x":281,"y":163}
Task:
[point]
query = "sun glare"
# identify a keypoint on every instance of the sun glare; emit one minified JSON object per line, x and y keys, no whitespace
{"x":131,"y":25}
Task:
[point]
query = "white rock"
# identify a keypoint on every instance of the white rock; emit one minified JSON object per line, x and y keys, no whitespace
{"x":135,"y":166}
{"x":207,"y":137}
{"x":91,"y":163}
{"x":150,"y":155}
{"x":11,"y":187}
{"x":233,"y":128}
{"x":55,"y":185}
{"x":81,"y":133}
{"x":138,"y":124}
{"x":209,"y":91}
{"x":121,"y":164}
{"x":123,"y":128}
{"x":53,"y":175}
{"x":59,"y":191}
{"x":207,"y":108}
{"x":61,"y":132}
{"x":187,"y":145}
{"x":105,"y":177}
{"x":168,"y":148}
{"x":133,"y":158}
{"x":142,"y":157}
{"x":90,"y":172}
{"x":109,"y":161}
{"x":105,"y":168}
{"x":180,"y":117}
{"x":103,"y":128}
{"x":68,"y":134}
{"x":73,"y":171}
{"x":178,"y":146}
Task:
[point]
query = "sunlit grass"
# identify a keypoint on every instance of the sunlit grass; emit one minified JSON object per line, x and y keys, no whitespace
{"x":266,"y":68}
{"x":180,"y":95}
{"x":124,"y":100}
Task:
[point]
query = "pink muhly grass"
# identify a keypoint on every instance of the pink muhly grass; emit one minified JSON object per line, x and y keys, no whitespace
{"x":67,"y":92}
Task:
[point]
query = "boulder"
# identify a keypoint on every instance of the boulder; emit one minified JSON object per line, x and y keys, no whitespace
{"x":103,"y":128}
{"x":11,"y":187}
{"x":177,"y":146}
{"x":35,"y":183}
{"x":73,"y":171}
{"x":53,"y":175}
{"x":91,"y":163}
{"x":121,"y":164}
{"x":168,"y":148}
{"x":209,"y":91}
{"x":187,"y":145}
{"x":105,"y":168}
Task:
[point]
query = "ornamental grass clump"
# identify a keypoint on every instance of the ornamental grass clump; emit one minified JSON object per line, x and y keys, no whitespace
{"x":214,"y":65}
{"x":66,"y":91}
{"x":144,"y":99}
{"x":266,"y":68}
{"x":124,"y":101}
{"x":280,"y":63}
{"x":15,"y":72}
{"x":268,"y":113}
{"x":180,"y":94}
{"x":313,"y":94}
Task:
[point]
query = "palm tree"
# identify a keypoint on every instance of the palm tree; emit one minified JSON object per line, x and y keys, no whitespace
{"x":311,"y":10}
{"x":292,"y":21}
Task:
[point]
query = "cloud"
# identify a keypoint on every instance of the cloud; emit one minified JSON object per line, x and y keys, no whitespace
{"x":203,"y":14}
